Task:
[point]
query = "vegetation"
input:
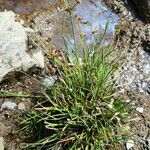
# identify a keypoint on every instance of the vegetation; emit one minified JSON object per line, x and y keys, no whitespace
{"x":82,"y":110}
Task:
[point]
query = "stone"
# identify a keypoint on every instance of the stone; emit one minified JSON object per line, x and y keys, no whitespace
{"x":49,"y":81}
{"x":140,"y":109}
{"x":8,"y":105}
{"x":14,"y":55}
{"x":129,"y":144}
{"x":21,"y":106}
{"x":2,"y":143}
{"x":143,"y":9}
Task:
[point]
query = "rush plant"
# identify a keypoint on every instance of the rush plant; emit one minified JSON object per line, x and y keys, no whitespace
{"x":82,"y":110}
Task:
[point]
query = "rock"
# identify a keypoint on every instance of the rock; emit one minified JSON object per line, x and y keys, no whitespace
{"x":140,"y":109}
{"x":13,"y":47}
{"x":21,"y":106}
{"x":25,"y":6}
{"x":8,"y":105}
{"x":143,"y":9}
{"x":49,"y":81}
{"x":134,"y":76}
{"x":2,"y":143}
{"x":129,"y":144}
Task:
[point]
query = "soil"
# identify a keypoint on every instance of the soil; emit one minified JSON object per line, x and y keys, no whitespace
{"x":8,"y":119}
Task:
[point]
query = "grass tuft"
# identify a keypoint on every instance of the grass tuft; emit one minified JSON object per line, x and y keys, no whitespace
{"x":81,"y":111}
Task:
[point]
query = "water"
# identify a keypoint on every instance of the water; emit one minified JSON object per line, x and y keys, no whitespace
{"x":97,"y":15}
{"x":88,"y":16}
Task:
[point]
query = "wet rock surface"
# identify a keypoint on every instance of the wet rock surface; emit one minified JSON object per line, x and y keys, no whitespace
{"x":25,"y":6}
{"x":143,"y":9}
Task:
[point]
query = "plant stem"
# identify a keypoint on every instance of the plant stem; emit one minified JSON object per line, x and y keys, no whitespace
{"x":4,"y":95}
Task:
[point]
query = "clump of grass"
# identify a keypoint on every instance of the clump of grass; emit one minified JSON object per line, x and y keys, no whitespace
{"x":81,"y":111}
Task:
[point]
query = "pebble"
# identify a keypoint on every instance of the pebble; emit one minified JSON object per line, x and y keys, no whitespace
{"x":21,"y":106}
{"x":49,"y":81}
{"x":8,"y":105}
{"x":140,"y":109}
{"x":129,"y":144}
{"x":2,"y":143}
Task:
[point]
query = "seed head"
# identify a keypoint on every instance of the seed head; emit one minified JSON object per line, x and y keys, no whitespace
{"x":78,"y":1}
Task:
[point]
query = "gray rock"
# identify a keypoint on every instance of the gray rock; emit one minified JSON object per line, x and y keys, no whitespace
{"x":2,"y":143}
{"x":13,"y":47}
{"x":49,"y":81}
{"x":8,"y":105}
{"x":143,"y":9}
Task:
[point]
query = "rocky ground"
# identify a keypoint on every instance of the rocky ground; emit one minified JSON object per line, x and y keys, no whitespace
{"x":133,"y":78}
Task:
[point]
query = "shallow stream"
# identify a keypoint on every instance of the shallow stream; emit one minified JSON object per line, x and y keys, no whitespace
{"x":88,"y":16}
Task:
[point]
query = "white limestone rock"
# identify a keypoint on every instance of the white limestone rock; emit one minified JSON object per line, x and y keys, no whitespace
{"x":140,"y":109}
{"x":13,"y":46}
